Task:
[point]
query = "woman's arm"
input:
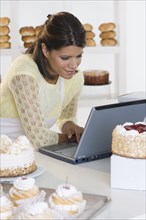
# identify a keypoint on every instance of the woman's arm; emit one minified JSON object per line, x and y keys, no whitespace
{"x":26,"y":96}
{"x":67,"y":120}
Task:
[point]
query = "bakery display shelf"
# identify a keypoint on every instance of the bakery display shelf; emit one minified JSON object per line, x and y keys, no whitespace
{"x":11,"y":51}
{"x":91,"y":86}
{"x":95,"y":203}
{"x":96,"y":91}
{"x":102,"y":49}
{"x":87,"y":50}
{"x":5,"y":51}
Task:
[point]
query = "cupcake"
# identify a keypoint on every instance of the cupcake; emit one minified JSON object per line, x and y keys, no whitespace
{"x":36,"y":210}
{"x":68,"y":200}
{"x":24,"y":189}
{"x":6,"y":207}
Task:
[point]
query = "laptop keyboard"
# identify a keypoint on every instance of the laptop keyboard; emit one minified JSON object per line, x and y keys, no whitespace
{"x":69,"y":152}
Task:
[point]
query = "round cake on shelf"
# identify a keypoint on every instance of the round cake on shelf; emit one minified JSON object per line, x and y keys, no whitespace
{"x":96,"y":77}
{"x":17,"y":158}
{"x":129,"y":140}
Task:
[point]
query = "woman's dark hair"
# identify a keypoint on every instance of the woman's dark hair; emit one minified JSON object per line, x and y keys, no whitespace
{"x":60,"y":30}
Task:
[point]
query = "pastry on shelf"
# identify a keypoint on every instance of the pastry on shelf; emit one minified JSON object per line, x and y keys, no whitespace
{"x":108,"y":42}
{"x":38,"y":29}
{"x":90,"y":35}
{"x":28,"y":35}
{"x":5,"y":33}
{"x":4,"y":21}
{"x":5,"y":45}
{"x":4,"y":38}
{"x":109,"y":26}
{"x":107,"y":34}
{"x":27,"y":31}
{"x":96,"y":77}
{"x":90,"y":43}
{"x":4,"y":30}
{"x":88,"y":27}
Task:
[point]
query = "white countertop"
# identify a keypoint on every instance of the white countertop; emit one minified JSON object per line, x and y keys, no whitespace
{"x":93,"y":177}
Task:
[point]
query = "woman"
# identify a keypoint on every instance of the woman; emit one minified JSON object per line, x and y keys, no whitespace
{"x":43,"y":85}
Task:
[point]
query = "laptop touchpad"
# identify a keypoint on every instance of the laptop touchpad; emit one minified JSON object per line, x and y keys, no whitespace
{"x":68,"y":149}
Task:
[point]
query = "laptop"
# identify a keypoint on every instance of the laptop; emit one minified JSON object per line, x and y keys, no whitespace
{"x":96,"y":139}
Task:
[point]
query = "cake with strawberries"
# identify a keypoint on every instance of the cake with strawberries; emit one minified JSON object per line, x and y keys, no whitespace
{"x":129,"y":140}
{"x":17,"y":158}
{"x":67,"y":200}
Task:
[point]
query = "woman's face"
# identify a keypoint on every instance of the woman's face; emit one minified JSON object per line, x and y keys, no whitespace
{"x":65,"y":61}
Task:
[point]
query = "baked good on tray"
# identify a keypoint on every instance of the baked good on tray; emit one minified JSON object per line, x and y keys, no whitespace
{"x":17,"y":158}
{"x":129,"y":140}
{"x":6,"y":208}
{"x":96,"y":77}
{"x":67,"y":200}
{"x":6,"y":205}
{"x":38,"y":210}
{"x":23,"y":190}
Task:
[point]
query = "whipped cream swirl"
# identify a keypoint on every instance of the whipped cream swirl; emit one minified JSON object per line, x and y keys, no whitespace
{"x":5,"y":202}
{"x":36,"y":208}
{"x":24,"y":183}
{"x":66,"y":190}
{"x":16,"y":147}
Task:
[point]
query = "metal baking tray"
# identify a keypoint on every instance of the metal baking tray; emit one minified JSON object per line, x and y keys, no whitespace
{"x":95,"y":203}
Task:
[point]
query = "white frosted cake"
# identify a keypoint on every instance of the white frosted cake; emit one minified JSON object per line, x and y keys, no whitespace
{"x":129,"y":156}
{"x":17,"y":158}
{"x":129,"y":140}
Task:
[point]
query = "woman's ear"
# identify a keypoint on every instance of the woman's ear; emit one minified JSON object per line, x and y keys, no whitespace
{"x":44,"y":50}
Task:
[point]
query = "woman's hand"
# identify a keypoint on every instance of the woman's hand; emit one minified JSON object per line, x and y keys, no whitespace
{"x":72,"y":131}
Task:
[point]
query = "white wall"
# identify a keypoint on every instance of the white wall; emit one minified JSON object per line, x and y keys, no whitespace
{"x":136,"y":47}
